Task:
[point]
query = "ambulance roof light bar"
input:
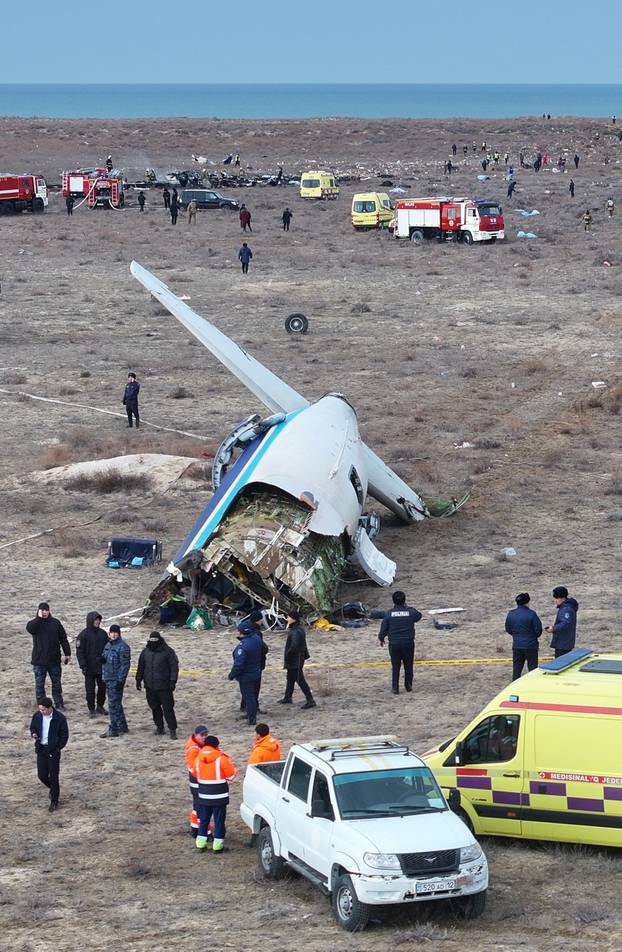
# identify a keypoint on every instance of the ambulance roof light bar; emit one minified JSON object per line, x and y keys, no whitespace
{"x":566,"y":661}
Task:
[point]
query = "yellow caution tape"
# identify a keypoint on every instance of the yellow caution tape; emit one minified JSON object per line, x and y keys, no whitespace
{"x":212,"y":672}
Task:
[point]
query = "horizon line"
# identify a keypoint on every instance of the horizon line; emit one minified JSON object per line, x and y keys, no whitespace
{"x":82,"y":83}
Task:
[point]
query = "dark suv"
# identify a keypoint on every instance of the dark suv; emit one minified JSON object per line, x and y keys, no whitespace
{"x":206,"y":198}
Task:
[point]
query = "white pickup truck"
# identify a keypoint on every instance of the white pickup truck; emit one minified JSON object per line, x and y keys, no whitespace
{"x":364,"y":819}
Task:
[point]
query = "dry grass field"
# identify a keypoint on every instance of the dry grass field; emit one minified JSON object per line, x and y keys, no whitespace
{"x":496,"y":347}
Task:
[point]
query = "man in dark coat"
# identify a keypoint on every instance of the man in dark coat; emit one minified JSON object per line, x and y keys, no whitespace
{"x":174,"y":207}
{"x":564,"y":630}
{"x":48,"y":637}
{"x":525,"y":627}
{"x":166,"y":198}
{"x":245,"y":254}
{"x":398,"y":625}
{"x":294,"y":657}
{"x":255,"y":620}
{"x":246,"y":668}
{"x":116,"y":658}
{"x":90,"y":644}
{"x":141,"y":200}
{"x":158,"y":669}
{"x":49,"y":730}
{"x":130,"y":399}
{"x":286,"y":218}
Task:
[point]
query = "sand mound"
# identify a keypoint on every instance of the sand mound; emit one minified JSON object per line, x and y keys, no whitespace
{"x":161,"y":469}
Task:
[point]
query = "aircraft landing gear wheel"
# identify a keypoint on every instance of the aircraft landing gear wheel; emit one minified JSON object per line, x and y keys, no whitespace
{"x":350,"y":913}
{"x":296,"y":324}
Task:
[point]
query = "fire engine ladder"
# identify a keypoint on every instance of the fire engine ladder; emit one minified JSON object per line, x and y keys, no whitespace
{"x":114,"y":193}
{"x":91,"y":197}
{"x":65,"y":182}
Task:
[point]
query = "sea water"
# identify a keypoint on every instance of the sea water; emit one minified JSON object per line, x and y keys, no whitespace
{"x":243,"y":101}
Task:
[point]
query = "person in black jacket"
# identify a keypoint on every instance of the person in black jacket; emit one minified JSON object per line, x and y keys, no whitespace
{"x":130,"y":399}
{"x":525,"y":627}
{"x":256,"y":618}
{"x":90,"y":644}
{"x":48,"y":637}
{"x":158,"y":668}
{"x":398,"y":625}
{"x":295,"y":655}
{"x":564,"y":630}
{"x":49,"y":730}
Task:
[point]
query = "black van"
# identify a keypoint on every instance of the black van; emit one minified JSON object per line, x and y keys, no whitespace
{"x":206,"y":198}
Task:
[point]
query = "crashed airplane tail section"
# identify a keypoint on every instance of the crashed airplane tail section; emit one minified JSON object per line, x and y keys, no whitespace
{"x":288,"y":510}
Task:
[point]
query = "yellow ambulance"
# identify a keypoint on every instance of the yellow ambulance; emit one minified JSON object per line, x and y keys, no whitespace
{"x":318,"y":185}
{"x":371,"y":210}
{"x":544,"y":759}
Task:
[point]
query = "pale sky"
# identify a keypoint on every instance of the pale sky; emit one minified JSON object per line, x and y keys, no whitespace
{"x":140,"y":41}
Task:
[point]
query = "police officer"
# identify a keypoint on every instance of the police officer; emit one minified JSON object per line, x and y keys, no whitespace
{"x":246,"y":668}
{"x":398,"y":625}
{"x":523,"y":624}
{"x":130,"y":399}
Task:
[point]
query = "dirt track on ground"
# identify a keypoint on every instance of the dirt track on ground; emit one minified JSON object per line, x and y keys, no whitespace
{"x":435,"y":347}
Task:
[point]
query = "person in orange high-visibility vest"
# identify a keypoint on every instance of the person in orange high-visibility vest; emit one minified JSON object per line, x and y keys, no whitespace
{"x":266,"y":748}
{"x":194,"y":744}
{"x":214,"y":771}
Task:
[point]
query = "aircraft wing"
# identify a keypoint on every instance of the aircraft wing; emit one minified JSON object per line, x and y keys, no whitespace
{"x":273,"y":392}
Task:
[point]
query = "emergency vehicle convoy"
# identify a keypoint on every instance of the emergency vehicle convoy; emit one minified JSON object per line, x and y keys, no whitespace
{"x":98,"y":186}
{"x":543,"y":760}
{"x":448,"y":219}
{"x":23,"y":192}
{"x":363,"y":819}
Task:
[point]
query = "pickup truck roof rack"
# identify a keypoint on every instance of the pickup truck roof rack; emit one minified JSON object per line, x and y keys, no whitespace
{"x":353,"y":746}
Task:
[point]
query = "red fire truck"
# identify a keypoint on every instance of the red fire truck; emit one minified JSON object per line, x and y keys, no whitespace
{"x":19,"y":192}
{"x":97,"y":186}
{"x":448,"y":219}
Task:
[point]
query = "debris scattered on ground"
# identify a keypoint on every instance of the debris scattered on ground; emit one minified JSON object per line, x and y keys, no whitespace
{"x":444,"y":611}
{"x":447,"y":626}
{"x":507,"y":552}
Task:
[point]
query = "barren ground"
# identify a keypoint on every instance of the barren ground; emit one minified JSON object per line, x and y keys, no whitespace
{"x":435,"y":346}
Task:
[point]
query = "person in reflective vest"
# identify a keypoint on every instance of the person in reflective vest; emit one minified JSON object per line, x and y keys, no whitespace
{"x":214,"y":770}
{"x":194,"y":745}
{"x":266,"y":748}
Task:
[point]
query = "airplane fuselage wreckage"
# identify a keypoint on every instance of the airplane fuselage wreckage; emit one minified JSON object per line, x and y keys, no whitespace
{"x":286,"y":520}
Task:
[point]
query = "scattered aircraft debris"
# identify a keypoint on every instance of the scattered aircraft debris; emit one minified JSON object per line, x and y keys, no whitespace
{"x":287,"y":516}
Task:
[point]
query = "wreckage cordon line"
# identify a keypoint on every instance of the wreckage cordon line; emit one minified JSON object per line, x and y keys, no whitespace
{"x":239,"y":483}
{"x":432,"y":662}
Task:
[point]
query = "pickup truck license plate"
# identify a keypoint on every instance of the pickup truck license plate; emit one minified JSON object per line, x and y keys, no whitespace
{"x":441,"y":885}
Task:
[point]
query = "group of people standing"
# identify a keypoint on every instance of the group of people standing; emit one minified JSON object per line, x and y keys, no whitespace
{"x":210,"y":770}
{"x":104,"y":658}
{"x":525,"y":628}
